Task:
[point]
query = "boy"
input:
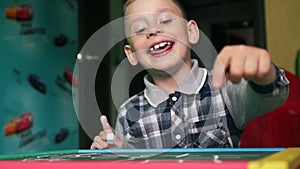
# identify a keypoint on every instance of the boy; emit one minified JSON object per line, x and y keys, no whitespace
{"x":183,"y":105}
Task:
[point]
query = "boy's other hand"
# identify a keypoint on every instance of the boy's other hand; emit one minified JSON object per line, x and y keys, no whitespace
{"x":239,"y":61}
{"x":101,"y":142}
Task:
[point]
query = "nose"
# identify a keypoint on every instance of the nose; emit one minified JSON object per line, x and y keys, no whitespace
{"x":153,"y":33}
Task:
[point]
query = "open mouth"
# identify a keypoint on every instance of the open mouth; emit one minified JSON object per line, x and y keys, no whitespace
{"x":161,"y":47}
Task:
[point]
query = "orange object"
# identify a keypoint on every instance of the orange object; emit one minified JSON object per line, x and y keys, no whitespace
{"x":23,"y":122}
{"x":10,"y":128}
{"x":11,"y":11}
{"x":19,"y":12}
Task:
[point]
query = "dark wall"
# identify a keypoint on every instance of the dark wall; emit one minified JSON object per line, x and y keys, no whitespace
{"x":93,"y":14}
{"x":228,"y":13}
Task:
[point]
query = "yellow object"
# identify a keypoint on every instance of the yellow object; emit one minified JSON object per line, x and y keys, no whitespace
{"x":283,"y":31}
{"x":287,"y":159}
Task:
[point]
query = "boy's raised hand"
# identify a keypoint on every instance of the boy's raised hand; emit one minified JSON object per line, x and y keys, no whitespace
{"x":239,"y":61}
{"x":106,"y":139}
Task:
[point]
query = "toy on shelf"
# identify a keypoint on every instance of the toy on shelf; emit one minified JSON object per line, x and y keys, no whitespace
{"x":37,"y":83}
{"x":19,"y":12}
{"x":18,"y":124}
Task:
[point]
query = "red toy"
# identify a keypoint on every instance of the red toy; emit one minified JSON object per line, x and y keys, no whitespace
{"x":19,"y":124}
{"x":68,"y":75}
{"x":22,"y":12}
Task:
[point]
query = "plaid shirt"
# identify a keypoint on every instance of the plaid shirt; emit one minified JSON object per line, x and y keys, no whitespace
{"x":195,"y":115}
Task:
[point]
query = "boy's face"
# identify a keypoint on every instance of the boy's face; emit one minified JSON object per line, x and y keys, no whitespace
{"x":159,"y":36}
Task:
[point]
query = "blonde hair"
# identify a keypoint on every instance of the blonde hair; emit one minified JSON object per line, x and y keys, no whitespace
{"x":176,"y":2}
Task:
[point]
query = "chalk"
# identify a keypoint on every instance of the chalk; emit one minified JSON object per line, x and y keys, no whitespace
{"x":110,"y":138}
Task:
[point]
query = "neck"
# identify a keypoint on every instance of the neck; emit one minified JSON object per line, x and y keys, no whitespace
{"x":171,"y":80}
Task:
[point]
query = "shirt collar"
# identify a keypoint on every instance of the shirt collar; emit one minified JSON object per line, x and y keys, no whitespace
{"x":191,"y":85}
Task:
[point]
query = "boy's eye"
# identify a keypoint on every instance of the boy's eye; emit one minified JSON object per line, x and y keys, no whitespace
{"x":139,"y":27}
{"x":139,"y":31}
{"x":165,"y":18}
{"x":166,"y":21}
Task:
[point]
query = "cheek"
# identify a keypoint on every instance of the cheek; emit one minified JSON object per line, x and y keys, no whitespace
{"x":183,"y":36}
{"x":179,"y":34}
{"x":138,"y":43}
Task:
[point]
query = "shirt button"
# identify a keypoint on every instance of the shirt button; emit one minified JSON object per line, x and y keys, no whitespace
{"x":178,"y":137}
{"x":174,"y":98}
{"x":281,"y":78}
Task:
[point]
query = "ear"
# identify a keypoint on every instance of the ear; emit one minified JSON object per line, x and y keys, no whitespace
{"x":193,"y":32}
{"x":130,"y":55}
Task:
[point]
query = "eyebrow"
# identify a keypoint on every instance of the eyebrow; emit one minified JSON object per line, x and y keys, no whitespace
{"x":170,"y":10}
{"x":160,"y":10}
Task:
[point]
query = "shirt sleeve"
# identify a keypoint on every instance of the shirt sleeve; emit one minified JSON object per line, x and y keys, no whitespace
{"x":248,"y":100}
{"x":279,"y":81}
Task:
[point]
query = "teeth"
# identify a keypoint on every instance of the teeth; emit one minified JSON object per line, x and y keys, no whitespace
{"x":156,"y":47}
{"x":160,"y":46}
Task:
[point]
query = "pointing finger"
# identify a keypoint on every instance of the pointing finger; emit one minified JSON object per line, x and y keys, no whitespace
{"x":106,"y":126}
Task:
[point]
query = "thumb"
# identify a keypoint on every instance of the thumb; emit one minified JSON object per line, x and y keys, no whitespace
{"x":105,"y":125}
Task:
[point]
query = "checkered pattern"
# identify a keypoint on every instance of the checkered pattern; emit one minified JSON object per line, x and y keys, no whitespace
{"x":182,"y":120}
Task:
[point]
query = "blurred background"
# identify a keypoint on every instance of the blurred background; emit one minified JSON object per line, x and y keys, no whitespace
{"x":38,"y":45}
{"x":40,"y":40}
